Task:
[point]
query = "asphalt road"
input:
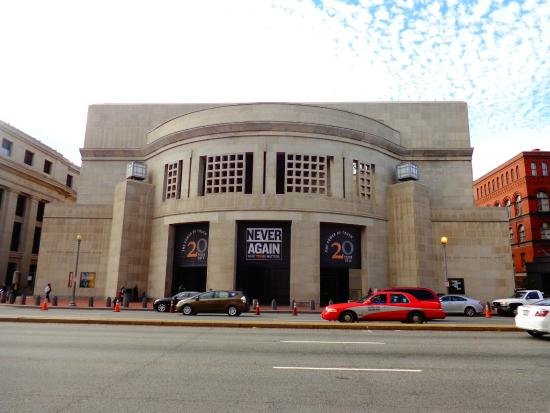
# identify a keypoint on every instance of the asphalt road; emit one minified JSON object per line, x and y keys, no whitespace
{"x":67,"y":367}
{"x":27,"y":311}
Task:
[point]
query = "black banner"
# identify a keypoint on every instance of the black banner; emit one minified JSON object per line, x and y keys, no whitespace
{"x":263,"y":243}
{"x":191,"y":248}
{"x":340,"y":246}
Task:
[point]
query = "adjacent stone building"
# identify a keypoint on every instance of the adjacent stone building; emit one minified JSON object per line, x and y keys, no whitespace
{"x":31,"y":176}
{"x":284,"y":201}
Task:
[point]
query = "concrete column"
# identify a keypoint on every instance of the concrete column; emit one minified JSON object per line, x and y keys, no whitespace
{"x":258,"y":172}
{"x":7,"y":216}
{"x":221,"y":255}
{"x":194,"y":182}
{"x":304,"y":261}
{"x":271,"y":172}
{"x":350,"y":184}
{"x":29,"y":223}
{"x":410,"y":235}
{"x":337,"y":178}
{"x":129,"y":244}
{"x":185,"y":182}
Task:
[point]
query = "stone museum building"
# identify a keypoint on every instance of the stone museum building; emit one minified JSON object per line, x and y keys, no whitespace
{"x":31,"y":176}
{"x":521,"y":186}
{"x":284,"y":201}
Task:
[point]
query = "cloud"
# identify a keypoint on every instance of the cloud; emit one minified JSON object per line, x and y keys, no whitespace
{"x":66,"y":55}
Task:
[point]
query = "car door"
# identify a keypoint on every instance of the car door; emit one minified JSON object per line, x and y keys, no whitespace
{"x":398,"y":307}
{"x":460,"y":304}
{"x":532,"y":297}
{"x":204,"y":302}
{"x":220,"y":301}
{"x":374,"y":308}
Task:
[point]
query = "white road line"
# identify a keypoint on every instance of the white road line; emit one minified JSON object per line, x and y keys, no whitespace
{"x":331,"y":342}
{"x":347,"y":369}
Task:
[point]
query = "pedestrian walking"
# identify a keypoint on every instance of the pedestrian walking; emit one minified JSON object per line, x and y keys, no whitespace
{"x":47,"y":291}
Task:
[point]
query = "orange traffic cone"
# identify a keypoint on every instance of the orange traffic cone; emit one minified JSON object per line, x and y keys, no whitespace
{"x":117,"y":307}
{"x":257,"y":308}
{"x":294,"y":310}
{"x":45,"y":305}
{"x":487,"y":311}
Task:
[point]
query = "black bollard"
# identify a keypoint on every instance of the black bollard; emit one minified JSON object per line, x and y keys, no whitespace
{"x":312,"y":305}
{"x":90,"y":301}
{"x":37,"y":300}
{"x":108,"y":302}
{"x":273,"y":304}
{"x":2,"y":297}
{"x":12,"y":298}
{"x":292,"y":304}
{"x":23,"y":299}
{"x":144,"y":302}
{"x":54,"y":301}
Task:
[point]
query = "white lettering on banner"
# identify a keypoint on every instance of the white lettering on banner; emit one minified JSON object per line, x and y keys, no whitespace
{"x":263,"y":243}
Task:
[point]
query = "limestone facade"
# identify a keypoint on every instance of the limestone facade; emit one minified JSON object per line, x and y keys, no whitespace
{"x":318,"y":180}
{"x":32,"y":177}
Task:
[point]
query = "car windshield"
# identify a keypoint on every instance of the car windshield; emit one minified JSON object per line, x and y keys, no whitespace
{"x":518,"y":294}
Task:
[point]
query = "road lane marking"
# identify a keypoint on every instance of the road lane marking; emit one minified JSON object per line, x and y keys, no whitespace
{"x":331,"y":342}
{"x":347,"y":369}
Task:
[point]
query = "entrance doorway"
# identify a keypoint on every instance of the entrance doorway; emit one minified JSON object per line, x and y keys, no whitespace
{"x":264,"y":284}
{"x":334,"y":285}
{"x":189,"y":278}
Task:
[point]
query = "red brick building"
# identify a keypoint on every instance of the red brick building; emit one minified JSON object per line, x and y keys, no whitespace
{"x":522,"y":185}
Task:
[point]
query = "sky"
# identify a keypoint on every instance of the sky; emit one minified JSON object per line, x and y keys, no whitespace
{"x":59,"y":56}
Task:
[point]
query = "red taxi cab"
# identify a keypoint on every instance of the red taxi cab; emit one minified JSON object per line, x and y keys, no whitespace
{"x":385,"y":306}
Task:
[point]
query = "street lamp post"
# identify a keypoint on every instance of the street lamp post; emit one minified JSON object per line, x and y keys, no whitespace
{"x":72,"y":303}
{"x":444,"y":241}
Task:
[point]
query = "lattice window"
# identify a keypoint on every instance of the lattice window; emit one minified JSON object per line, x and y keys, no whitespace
{"x":173,"y":177}
{"x":363,"y":174}
{"x":225,"y":173}
{"x":306,"y":173}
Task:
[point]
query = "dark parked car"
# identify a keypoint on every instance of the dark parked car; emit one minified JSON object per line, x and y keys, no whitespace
{"x":231,"y":302}
{"x":162,"y":305}
{"x":420,"y":293}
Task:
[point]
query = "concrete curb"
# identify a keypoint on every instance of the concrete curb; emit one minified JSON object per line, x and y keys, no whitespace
{"x":322,"y":325}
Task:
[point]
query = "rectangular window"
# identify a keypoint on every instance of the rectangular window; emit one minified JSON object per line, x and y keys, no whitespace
{"x":280,"y":184}
{"x":15,"y":236}
{"x":20,"y":206}
{"x":172,"y":180}
{"x":40,"y":211}
{"x":228,"y":173}
{"x":202,"y":175}
{"x":36,"y":240}
{"x":47,"y":167}
{"x":544,"y":169}
{"x":7,"y":146}
{"x":307,"y":174}
{"x":533,"y":169}
{"x":69,"y":181}
{"x":362,"y":176}
{"x":29,"y":156}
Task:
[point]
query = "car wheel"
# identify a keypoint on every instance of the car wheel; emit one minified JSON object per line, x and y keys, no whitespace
{"x":416,"y":317}
{"x":514,"y":311}
{"x":347,"y":317}
{"x":161,"y":308}
{"x":187,"y":310}
{"x":469,"y":311}
{"x":535,"y":333}
{"x":233,"y":311}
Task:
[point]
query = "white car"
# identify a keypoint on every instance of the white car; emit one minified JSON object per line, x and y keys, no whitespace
{"x":535,"y":318}
{"x":460,"y":304}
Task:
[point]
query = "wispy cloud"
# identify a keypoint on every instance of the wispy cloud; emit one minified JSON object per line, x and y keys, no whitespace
{"x":65,"y":55}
